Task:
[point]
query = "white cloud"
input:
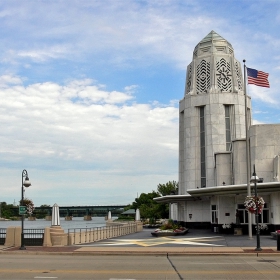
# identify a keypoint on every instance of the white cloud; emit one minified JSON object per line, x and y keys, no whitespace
{"x":79,"y":126}
{"x":41,"y":55}
{"x":9,"y":79}
{"x":262,"y":94}
{"x":100,"y":137}
{"x":124,"y":32}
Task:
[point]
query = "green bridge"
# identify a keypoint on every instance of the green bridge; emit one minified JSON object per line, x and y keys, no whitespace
{"x":78,"y":211}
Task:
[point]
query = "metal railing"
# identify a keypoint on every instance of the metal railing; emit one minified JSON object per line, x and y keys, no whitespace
{"x":33,"y":237}
{"x":2,"y":235}
{"x":88,"y":235}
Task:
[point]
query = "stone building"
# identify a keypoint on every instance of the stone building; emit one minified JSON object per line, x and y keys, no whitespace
{"x":213,"y":155}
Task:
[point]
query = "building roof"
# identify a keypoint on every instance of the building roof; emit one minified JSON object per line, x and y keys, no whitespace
{"x":129,"y":212}
{"x":213,"y":38}
{"x":173,"y":198}
{"x":262,"y":188}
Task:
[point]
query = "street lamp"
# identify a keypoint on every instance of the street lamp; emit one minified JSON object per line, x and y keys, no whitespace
{"x":26,"y":183}
{"x":255,"y":179}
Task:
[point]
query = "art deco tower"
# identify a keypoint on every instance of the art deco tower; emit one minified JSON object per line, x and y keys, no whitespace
{"x":212,"y":117}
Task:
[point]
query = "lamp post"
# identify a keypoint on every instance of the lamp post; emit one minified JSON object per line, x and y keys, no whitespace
{"x":255,"y":179}
{"x":26,"y":183}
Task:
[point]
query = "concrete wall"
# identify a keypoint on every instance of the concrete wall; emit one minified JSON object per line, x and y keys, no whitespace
{"x":275,"y":208}
{"x":223,"y":169}
{"x":199,"y":210}
{"x":13,"y":236}
{"x":239,"y":163}
{"x":189,"y":138}
{"x":227,"y":208}
{"x":265,"y":146}
{"x":173,"y":211}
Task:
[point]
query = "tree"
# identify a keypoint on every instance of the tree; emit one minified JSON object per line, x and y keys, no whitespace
{"x":149,"y":209}
{"x":144,"y":198}
{"x":6,"y":210}
{"x":29,"y":205}
{"x":168,"y":188}
{"x":42,"y":211}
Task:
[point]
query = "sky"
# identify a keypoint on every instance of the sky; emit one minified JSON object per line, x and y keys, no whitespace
{"x":89,"y":90}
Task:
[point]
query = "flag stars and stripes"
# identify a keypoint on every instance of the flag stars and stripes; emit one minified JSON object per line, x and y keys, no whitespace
{"x":258,"y":78}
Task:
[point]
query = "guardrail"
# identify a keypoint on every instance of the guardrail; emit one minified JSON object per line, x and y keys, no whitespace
{"x":88,"y":235}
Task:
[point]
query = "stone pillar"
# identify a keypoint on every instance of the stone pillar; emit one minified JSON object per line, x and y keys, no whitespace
{"x":47,"y":237}
{"x":13,"y":236}
{"x":87,"y":218}
{"x":58,"y":237}
{"x":139,"y":226}
{"x":137,"y":215}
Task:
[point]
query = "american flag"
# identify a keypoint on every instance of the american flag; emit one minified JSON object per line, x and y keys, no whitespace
{"x":258,"y":78}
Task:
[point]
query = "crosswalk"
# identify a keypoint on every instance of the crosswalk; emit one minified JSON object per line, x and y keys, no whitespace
{"x":148,"y":242}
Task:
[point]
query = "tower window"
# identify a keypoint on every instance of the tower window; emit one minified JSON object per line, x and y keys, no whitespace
{"x":229,"y":125}
{"x":202,"y":148}
{"x":228,"y":132}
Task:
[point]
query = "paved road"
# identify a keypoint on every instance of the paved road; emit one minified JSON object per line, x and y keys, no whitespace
{"x":198,"y":255}
{"x":25,"y":266}
{"x":194,"y":238}
{"x":196,"y":241}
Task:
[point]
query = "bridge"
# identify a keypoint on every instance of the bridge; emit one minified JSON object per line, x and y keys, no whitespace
{"x":77,"y":211}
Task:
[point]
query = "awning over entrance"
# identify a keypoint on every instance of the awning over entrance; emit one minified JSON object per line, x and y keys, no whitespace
{"x":236,"y":189}
{"x":193,"y":194}
{"x":173,"y":198}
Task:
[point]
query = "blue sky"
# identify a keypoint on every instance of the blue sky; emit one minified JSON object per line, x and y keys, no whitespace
{"x":89,"y":90}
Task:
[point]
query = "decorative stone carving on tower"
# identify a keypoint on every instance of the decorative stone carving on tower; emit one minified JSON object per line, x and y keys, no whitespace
{"x":224,"y":76}
{"x":214,"y":68}
{"x":212,"y":116}
{"x":203,"y":77}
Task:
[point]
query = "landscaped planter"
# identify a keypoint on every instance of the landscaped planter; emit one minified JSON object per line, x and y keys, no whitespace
{"x":151,"y":226}
{"x":158,"y":233}
{"x":275,"y":234}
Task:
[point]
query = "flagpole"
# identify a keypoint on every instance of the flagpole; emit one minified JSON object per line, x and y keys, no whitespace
{"x":247,"y":153}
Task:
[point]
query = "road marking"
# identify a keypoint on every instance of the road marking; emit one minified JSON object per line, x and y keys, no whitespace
{"x":44,"y":277}
{"x":148,"y":242}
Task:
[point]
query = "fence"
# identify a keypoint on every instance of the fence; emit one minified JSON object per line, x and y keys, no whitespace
{"x":33,"y":237}
{"x":56,"y":236}
{"x":88,"y":235}
{"x":11,"y":236}
{"x":2,"y":236}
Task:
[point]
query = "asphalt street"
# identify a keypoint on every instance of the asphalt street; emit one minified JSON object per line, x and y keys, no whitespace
{"x":194,"y":238}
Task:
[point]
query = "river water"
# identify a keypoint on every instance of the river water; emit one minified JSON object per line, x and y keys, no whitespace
{"x":77,"y":222}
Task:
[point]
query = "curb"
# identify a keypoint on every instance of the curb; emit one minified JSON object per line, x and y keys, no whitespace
{"x":82,"y":251}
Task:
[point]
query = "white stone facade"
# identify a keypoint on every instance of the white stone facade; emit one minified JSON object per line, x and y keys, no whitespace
{"x":212,"y":142}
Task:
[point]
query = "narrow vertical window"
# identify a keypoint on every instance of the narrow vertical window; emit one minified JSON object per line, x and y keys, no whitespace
{"x":202,"y":148}
{"x":214,"y":214}
{"x":243,"y":214}
{"x":228,"y":128}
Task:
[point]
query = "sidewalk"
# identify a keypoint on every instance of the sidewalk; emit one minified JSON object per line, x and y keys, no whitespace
{"x":194,"y":242}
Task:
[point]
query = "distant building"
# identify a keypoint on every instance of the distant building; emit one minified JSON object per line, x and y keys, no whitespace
{"x":129,"y":212}
{"x":212,"y":145}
